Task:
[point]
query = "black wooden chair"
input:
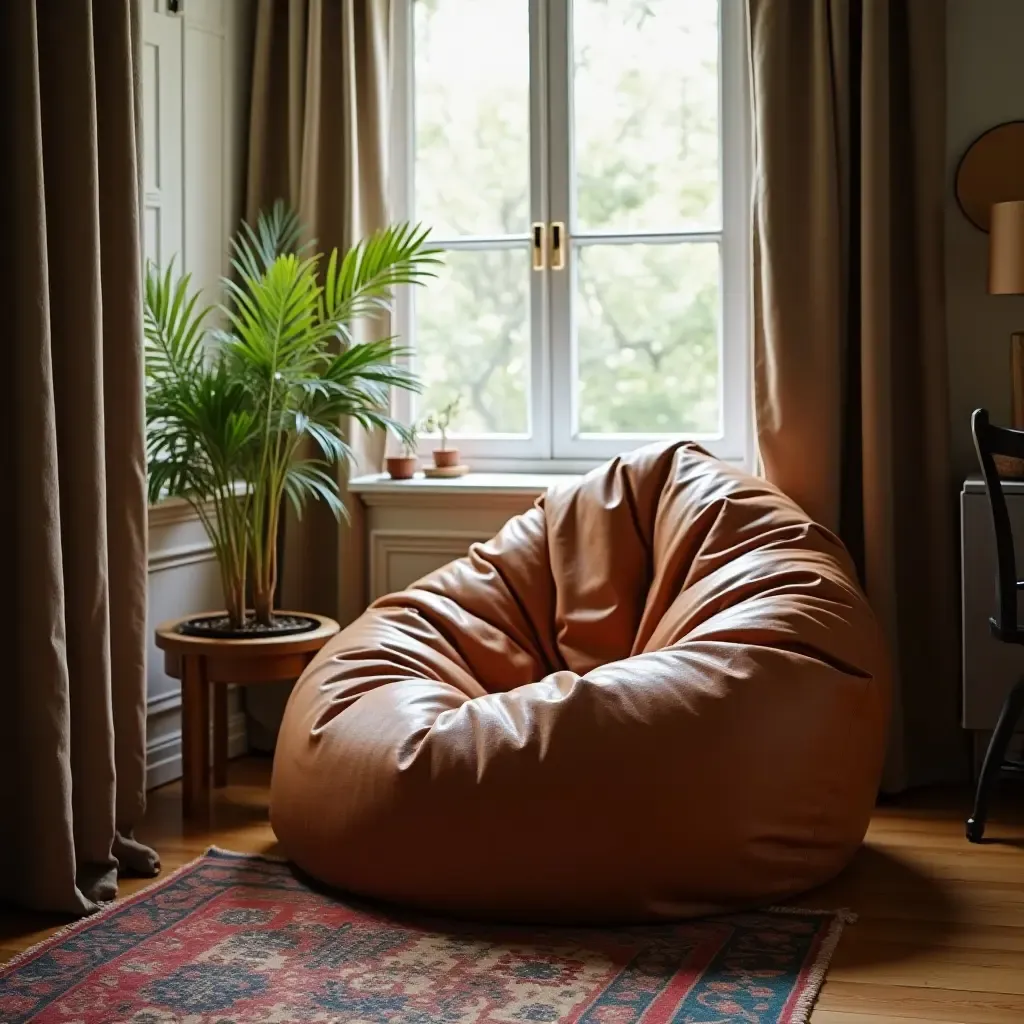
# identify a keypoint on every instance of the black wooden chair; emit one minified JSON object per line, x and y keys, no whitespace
{"x":990,"y":441}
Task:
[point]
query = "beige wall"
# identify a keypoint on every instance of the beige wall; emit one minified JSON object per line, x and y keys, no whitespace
{"x":985,"y":87}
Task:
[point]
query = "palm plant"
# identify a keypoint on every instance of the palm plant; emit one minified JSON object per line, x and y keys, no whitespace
{"x":230,"y":412}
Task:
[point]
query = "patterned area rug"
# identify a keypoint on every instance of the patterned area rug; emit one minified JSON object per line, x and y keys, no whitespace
{"x":231,"y":938}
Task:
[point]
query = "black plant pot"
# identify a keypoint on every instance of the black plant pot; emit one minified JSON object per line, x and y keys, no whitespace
{"x":218,"y":626}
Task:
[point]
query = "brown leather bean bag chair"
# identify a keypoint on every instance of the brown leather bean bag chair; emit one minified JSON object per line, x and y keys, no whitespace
{"x":658,"y":693}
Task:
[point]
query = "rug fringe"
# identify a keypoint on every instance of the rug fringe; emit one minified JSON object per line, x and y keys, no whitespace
{"x":270,"y":858}
{"x":801,"y":1012}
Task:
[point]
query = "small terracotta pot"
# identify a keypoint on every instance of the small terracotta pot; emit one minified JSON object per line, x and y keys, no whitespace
{"x":444,"y":458}
{"x":401,"y":467}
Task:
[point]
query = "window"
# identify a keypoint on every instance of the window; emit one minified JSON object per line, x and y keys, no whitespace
{"x":584,"y":163}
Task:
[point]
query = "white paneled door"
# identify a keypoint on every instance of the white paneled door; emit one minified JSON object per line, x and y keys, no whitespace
{"x":163,"y":147}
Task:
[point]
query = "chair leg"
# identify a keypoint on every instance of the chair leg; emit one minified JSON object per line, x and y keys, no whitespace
{"x":1013,"y":707}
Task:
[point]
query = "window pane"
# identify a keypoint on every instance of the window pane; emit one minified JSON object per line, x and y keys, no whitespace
{"x":472,"y":121}
{"x":647,"y":338}
{"x":645,"y":108}
{"x":473,"y":340}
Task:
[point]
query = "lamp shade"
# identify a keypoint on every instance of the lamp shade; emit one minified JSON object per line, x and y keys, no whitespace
{"x":1006,"y":249}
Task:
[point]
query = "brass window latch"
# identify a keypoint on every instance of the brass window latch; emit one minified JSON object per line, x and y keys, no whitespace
{"x":558,"y":245}
{"x":539,"y":255}
{"x":539,"y":231}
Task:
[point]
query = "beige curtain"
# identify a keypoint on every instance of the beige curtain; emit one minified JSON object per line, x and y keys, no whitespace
{"x":72,"y":703}
{"x":850,"y":348}
{"x":318,"y":137}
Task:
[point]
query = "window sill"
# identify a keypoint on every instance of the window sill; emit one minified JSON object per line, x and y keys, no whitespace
{"x":380,"y":489}
{"x":178,"y":510}
{"x":170,"y":512}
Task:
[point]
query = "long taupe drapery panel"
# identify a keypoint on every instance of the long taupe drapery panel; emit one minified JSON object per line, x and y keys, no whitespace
{"x":72,"y":702}
{"x":318,"y":137}
{"x":850,"y":345}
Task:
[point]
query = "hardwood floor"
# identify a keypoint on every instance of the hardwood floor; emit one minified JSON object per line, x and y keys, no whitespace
{"x":940,"y":935}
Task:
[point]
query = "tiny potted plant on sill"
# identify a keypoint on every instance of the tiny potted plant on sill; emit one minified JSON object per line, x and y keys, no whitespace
{"x":403,"y":467}
{"x":440,"y":422}
{"x":231,"y":413}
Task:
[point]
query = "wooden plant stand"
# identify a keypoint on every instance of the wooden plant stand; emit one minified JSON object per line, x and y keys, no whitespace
{"x":204,"y":665}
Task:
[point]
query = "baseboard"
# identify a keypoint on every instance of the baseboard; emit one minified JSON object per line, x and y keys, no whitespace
{"x":163,"y":755}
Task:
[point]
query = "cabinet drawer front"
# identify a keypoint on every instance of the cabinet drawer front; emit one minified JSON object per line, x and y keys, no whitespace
{"x":990,"y":667}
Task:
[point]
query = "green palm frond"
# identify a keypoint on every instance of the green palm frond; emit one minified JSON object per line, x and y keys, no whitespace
{"x":275,"y":322}
{"x":309,"y":478}
{"x":327,"y":439}
{"x":371,"y":364}
{"x":172,"y":327}
{"x":363,"y":281}
{"x":201,"y":433}
{"x":277,"y":233}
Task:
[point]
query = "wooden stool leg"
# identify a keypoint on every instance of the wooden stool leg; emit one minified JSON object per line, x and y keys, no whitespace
{"x":195,"y":735}
{"x":220,"y":734}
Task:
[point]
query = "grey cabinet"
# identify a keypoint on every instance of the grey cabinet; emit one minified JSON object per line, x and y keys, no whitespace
{"x":989,"y":667}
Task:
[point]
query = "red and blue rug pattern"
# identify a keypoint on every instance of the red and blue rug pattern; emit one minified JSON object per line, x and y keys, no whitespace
{"x":232,"y":938}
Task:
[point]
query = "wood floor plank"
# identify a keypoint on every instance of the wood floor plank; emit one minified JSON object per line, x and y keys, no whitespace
{"x":953,"y":865}
{"x":932,"y":1004}
{"x":842,"y":1017}
{"x":923,"y":972}
{"x":876,"y":931}
{"x":862,"y":882}
{"x":859,"y":950}
{"x":999,"y":842}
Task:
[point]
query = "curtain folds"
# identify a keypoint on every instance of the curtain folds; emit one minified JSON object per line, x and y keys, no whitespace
{"x":72,"y":707}
{"x":850,"y":350}
{"x":318,"y":138}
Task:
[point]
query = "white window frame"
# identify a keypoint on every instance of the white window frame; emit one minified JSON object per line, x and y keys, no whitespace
{"x":551,"y":445}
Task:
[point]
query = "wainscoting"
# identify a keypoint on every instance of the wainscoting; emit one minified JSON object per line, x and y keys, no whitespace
{"x":183,"y":578}
{"x":412,"y":527}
